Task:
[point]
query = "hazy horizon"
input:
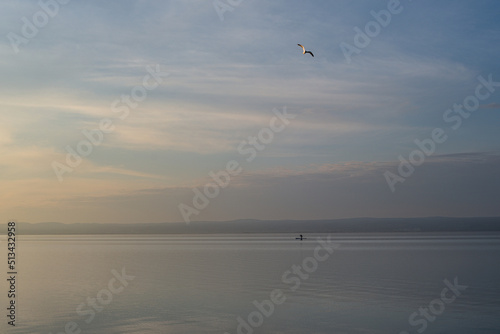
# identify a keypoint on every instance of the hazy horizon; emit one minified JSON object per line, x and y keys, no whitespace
{"x":270,"y":220}
{"x":358,"y":226}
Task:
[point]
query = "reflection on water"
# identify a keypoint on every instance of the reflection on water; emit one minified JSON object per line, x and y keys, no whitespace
{"x":202,"y":284}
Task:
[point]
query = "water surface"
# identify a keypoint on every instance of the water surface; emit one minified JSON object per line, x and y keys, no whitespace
{"x":209,"y":283}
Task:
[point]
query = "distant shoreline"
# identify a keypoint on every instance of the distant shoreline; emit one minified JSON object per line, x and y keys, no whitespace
{"x":348,"y":225}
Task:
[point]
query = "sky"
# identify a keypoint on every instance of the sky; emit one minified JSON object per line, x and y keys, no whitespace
{"x":166,"y":111}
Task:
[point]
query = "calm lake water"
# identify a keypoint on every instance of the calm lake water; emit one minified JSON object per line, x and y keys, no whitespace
{"x":384,"y":283}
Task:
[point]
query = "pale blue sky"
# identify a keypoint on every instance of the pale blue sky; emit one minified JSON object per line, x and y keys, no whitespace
{"x":225,"y":77}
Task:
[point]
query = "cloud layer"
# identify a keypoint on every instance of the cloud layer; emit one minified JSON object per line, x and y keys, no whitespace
{"x":353,"y":119}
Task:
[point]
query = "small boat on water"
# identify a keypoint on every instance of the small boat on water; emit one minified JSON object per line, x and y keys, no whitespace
{"x":301,"y":238}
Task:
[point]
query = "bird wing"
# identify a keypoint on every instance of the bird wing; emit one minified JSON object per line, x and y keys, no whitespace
{"x":303,"y":48}
{"x":311,"y":53}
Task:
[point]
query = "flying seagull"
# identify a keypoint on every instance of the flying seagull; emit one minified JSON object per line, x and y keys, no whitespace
{"x":304,"y":50}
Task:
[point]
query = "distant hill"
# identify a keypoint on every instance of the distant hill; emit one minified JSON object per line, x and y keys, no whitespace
{"x":351,"y":225}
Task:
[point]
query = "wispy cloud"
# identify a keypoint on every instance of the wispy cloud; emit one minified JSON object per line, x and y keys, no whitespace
{"x":457,"y":184}
{"x":492,"y":105}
